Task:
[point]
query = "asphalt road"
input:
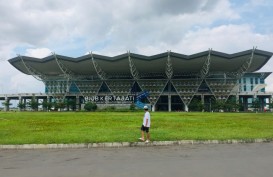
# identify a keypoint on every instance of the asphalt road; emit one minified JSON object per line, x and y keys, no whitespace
{"x":214,"y":160}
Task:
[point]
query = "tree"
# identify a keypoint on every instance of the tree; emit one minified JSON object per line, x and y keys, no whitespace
{"x":6,"y":104}
{"x":71,"y":104}
{"x":270,"y":104}
{"x":196,"y":105}
{"x":256,"y":104}
{"x":231,"y":104}
{"x":60,"y":105}
{"x":47,"y":105}
{"x":33,"y":104}
{"x":132,"y":107}
{"x":90,"y":106}
{"x":21,"y":105}
{"x":218,"y":105}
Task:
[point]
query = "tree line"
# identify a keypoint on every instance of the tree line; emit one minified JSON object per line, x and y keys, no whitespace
{"x":33,"y":105}
{"x":231,"y":105}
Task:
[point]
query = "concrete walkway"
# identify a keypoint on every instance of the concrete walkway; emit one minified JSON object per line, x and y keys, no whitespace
{"x":186,"y":160}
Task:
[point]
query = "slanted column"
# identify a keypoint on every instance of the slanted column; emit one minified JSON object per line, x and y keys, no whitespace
{"x":37,"y":100}
{"x":237,"y":101}
{"x":20,"y":101}
{"x":202,"y":99}
{"x":237,"y":98}
{"x":153,"y":107}
{"x":45,"y":101}
{"x":203,"y":102}
{"x":262,"y":103}
{"x":6,"y":108}
{"x":271,"y":100}
{"x":245,"y":103}
{"x":169,"y":103}
{"x":49,"y":100}
{"x":25,"y":101}
{"x":77,"y":103}
{"x":186,"y":108}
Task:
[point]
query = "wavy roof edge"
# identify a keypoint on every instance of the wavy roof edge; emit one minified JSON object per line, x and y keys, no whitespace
{"x":145,"y":57}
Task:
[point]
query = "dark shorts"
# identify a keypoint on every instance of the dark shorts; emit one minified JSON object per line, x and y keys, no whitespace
{"x":145,"y":129}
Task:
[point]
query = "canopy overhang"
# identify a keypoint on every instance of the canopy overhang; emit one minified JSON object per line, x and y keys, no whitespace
{"x":84,"y":65}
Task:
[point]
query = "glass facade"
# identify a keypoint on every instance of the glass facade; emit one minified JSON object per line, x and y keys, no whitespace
{"x":251,"y":81}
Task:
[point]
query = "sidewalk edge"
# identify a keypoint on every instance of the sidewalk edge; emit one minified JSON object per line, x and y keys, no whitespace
{"x":131,"y":144}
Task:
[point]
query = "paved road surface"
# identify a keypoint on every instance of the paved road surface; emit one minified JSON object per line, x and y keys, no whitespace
{"x":218,"y":160}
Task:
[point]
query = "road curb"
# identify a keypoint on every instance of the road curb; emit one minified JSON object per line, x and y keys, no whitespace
{"x":131,"y":144}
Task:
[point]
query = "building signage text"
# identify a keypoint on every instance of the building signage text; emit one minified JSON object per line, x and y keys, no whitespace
{"x":109,"y":98}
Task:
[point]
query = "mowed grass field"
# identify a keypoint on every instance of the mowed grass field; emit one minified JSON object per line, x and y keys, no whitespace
{"x":90,"y":127}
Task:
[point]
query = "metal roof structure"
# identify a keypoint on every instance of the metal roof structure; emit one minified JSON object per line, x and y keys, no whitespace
{"x":165,"y":79}
{"x":136,"y":65}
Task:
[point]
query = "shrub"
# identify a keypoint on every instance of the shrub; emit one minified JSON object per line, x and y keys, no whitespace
{"x":196,"y":105}
{"x":90,"y":106}
{"x":132,"y":107}
{"x":110,"y":108}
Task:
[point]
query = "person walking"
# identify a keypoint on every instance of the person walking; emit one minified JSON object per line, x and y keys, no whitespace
{"x":146,"y":125}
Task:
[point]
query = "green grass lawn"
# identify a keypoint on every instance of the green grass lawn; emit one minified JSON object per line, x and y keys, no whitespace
{"x":84,"y":127}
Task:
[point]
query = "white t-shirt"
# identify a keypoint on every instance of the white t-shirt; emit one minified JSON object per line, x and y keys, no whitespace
{"x":147,"y":116}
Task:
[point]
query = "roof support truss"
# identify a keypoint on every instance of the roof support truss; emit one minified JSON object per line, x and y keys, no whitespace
{"x":205,"y":69}
{"x":67,"y":73}
{"x":234,"y":86}
{"x":102,"y":75}
{"x":133,"y":69}
{"x":169,"y":68}
{"x":39,"y":76}
{"x":33,"y":72}
{"x":243,"y":69}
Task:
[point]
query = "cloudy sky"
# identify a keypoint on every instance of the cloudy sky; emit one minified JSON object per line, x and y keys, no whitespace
{"x":111,"y":27}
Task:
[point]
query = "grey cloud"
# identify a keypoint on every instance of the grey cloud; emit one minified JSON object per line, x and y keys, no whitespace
{"x":37,"y":23}
{"x":112,"y":27}
{"x":32,"y":22}
{"x":44,"y":5}
{"x":181,"y":7}
{"x":169,"y":7}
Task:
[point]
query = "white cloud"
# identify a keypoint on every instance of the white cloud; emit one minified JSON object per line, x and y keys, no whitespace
{"x":38,"y":53}
{"x":13,"y":81}
{"x":225,"y":38}
{"x":21,"y":83}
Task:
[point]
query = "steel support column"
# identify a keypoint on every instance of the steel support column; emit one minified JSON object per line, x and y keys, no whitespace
{"x":33,"y":72}
{"x":169,"y":68}
{"x":77,"y":103}
{"x":243,"y":69}
{"x":102,"y":75}
{"x":37,"y":75}
{"x":67,"y":73}
{"x":206,"y":66}
{"x":132,"y":66}
{"x":203,"y":99}
{"x":6,"y":108}
{"x":186,"y":108}
{"x":20,"y":101}
{"x":169,"y":103}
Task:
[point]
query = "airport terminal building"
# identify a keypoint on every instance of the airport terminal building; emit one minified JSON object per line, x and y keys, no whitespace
{"x":166,"y":82}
